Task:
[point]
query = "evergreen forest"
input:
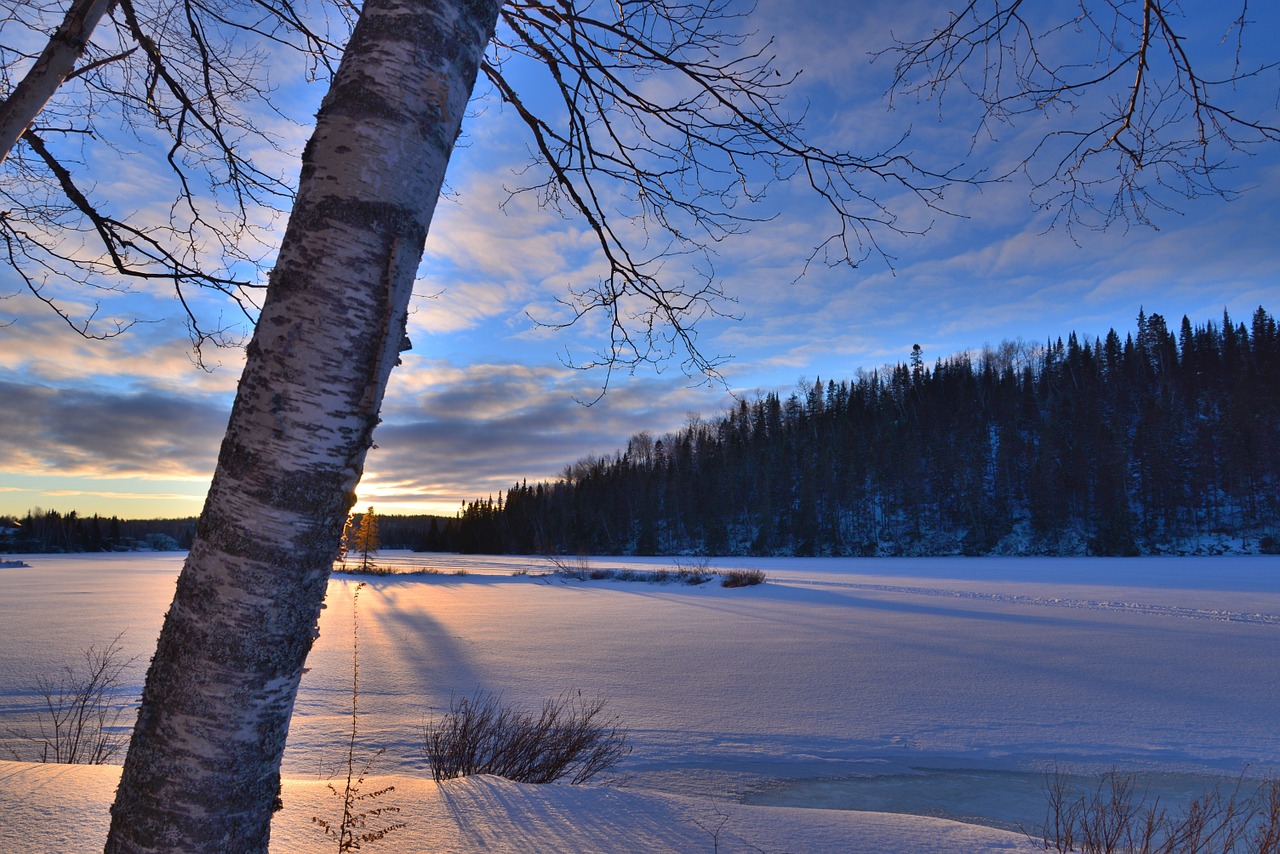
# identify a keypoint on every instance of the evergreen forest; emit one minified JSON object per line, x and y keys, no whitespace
{"x":1163,"y":441}
{"x":1160,"y":442}
{"x":48,"y":531}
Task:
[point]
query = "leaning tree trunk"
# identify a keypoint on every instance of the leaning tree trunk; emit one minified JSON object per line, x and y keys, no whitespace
{"x":47,"y":73}
{"x":203,"y":768}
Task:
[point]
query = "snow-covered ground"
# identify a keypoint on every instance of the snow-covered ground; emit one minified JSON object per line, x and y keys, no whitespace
{"x":838,"y":682}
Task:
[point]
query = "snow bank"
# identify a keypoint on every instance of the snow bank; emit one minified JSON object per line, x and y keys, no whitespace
{"x":51,"y":809}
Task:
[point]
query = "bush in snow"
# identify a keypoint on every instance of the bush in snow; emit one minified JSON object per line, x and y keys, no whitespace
{"x":80,"y":712}
{"x":694,"y":571}
{"x":1114,"y":816}
{"x":742,"y":578}
{"x":577,"y":567}
{"x":570,"y":738}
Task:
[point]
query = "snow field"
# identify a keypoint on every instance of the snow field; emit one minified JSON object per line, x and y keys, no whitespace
{"x":832,"y":669}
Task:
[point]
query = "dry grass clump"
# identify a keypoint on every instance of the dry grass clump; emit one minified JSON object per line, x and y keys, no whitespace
{"x":742,"y":578}
{"x":692,"y":571}
{"x":369,"y":569}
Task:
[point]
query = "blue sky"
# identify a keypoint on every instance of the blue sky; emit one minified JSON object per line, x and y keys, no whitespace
{"x":131,"y":426}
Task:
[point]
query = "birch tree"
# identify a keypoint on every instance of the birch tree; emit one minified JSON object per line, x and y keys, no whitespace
{"x":202,"y":772}
{"x":49,"y":71}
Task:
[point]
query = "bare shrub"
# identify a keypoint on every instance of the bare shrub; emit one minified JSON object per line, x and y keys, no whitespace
{"x":693,"y":570}
{"x":1266,"y":835}
{"x":570,"y":738}
{"x":742,"y":578}
{"x":577,"y":567}
{"x":714,"y":826}
{"x":78,"y":721}
{"x":1112,"y":816}
{"x":358,"y":810}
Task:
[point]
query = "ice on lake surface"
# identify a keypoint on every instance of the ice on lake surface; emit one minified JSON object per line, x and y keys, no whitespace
{"x":838,"y":677}
{"x":1013,"y":800}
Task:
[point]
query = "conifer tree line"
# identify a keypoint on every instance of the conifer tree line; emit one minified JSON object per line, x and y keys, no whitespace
{"x":1161,"y":441}
{"x":49,"y":531}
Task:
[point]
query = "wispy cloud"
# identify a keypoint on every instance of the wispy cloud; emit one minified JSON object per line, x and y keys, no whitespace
{"x":39,"y":347}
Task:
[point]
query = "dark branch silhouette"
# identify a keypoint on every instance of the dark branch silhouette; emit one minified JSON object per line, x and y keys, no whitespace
{"x":189,"y":78}
{"x":1145,"y":106}
{"x":666,"y":128}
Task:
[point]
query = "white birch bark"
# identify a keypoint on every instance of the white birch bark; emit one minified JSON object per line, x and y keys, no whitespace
{"x":202,"y":771}
{"x":56,"y":61}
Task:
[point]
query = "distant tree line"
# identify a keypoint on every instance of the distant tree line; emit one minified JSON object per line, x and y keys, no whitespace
{"x":48,"y":531}
{"x":421,"y":533}
{"x":1160,"y":441}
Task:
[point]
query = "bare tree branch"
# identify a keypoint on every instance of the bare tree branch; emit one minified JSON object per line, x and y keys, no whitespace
{"x":182,"y":72}
{"x":47,"y":73}
{"x":1162,"y":127}
{"x":667,"y":131}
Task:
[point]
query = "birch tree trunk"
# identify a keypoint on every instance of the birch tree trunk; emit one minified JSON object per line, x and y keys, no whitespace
{"x":56,"y":61}
{"x":202,"y":772}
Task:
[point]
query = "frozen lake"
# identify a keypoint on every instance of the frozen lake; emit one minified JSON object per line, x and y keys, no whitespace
{"x":832,"y":685}
{"x":1013,"y":800}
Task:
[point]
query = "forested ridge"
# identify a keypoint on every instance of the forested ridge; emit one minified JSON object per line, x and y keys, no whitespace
{"x":1160,"y":441}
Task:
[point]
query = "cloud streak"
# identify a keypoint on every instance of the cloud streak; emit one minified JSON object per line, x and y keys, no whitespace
{"x":477,"y":429}
{"x":103,"y":434}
